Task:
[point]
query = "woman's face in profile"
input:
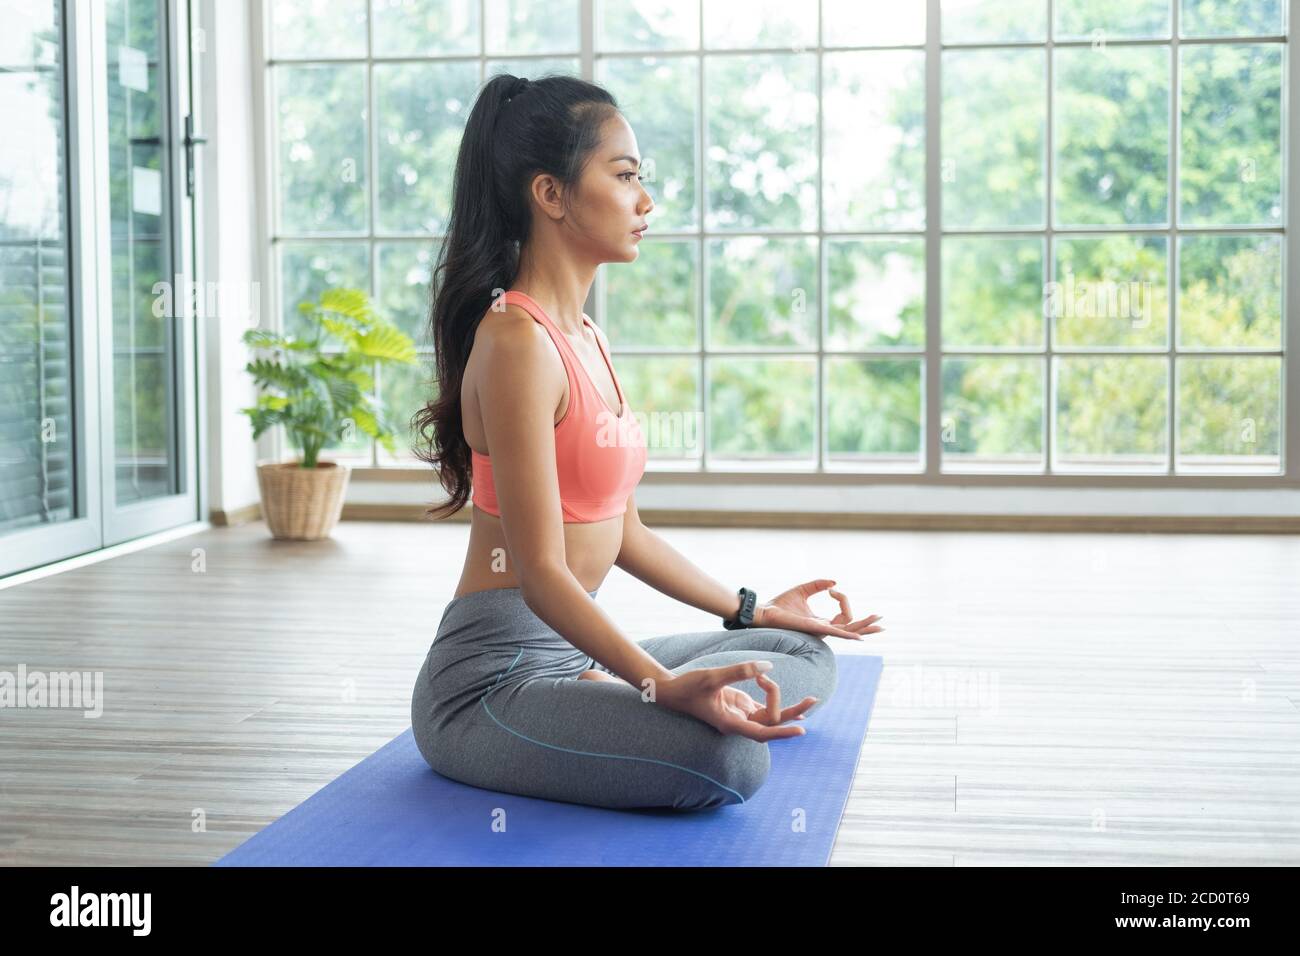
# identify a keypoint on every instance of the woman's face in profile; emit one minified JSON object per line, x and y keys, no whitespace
{"x":612,"y":203}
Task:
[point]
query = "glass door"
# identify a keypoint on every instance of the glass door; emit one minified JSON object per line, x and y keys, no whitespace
{"x":47,"y":508}
{"x":148,"y":418}
{"x":97,"y":369}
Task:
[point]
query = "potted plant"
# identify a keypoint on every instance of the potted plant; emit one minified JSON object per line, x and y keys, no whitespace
{"x":319,"y":388}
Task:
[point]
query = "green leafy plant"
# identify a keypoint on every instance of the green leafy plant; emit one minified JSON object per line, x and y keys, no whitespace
{"x":320,"y":387}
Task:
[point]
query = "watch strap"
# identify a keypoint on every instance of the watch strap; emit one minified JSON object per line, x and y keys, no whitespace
{"x":745,"y":616}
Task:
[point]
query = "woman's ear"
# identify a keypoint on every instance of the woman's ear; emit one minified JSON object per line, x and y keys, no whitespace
{"x":548,"y":193}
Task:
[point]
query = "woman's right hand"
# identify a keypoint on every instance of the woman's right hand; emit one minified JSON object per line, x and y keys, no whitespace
{"x":704,"y":693}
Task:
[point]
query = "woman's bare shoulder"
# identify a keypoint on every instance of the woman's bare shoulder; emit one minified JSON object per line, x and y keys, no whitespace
{"x":511,"y":344}
{"x":504,"y":322}
{"x":511,"y":332}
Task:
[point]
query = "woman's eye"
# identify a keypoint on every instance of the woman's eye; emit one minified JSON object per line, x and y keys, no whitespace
{"x":630,"y":173}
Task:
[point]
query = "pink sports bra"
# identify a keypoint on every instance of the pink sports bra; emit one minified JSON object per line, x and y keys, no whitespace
{"x":599,"y":455}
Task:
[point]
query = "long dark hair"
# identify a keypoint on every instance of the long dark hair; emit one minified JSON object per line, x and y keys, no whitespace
{"x":517,"y":129}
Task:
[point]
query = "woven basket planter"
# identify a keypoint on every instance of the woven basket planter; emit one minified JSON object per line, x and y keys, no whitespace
{"x":302,"y":504}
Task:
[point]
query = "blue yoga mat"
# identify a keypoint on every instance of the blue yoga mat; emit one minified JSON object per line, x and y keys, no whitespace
{"x":393,"y":810}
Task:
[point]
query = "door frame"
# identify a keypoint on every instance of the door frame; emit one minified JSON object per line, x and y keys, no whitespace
{"x":99,"y":523}
{"x":122,"y":523}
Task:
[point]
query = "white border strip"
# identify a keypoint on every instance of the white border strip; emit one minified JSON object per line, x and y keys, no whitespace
{"x":907,"y":499}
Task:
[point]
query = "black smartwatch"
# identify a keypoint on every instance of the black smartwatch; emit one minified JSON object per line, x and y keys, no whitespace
{"x":745,"y":617}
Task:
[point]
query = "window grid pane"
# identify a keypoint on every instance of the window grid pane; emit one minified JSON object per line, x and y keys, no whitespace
{"x":761,"y":253}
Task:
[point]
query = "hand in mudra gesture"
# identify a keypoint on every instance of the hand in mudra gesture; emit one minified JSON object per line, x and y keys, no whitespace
{"x":790,"y":610}
{"x":705,"y":693}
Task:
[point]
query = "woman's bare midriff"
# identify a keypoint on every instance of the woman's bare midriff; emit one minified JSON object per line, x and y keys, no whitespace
{"x":590,"y":549}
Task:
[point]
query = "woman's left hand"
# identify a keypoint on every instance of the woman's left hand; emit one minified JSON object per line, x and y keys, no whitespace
{"x":790,"y":610}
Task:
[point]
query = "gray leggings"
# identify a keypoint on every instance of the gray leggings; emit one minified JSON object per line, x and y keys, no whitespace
{"x":498,"y":705}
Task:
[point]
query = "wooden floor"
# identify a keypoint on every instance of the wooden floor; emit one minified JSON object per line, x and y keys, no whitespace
{"x":1047,"y":699}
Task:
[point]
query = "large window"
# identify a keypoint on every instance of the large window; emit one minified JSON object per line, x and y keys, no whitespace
{"x":943,"y":238}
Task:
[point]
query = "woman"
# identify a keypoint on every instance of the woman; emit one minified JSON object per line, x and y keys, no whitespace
{"x":529,"y":687}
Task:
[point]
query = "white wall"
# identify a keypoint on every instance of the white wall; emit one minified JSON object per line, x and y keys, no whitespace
{"x":228,"y":243}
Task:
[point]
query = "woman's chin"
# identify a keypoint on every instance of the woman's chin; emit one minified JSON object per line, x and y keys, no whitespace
{"x":625,"y":253}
